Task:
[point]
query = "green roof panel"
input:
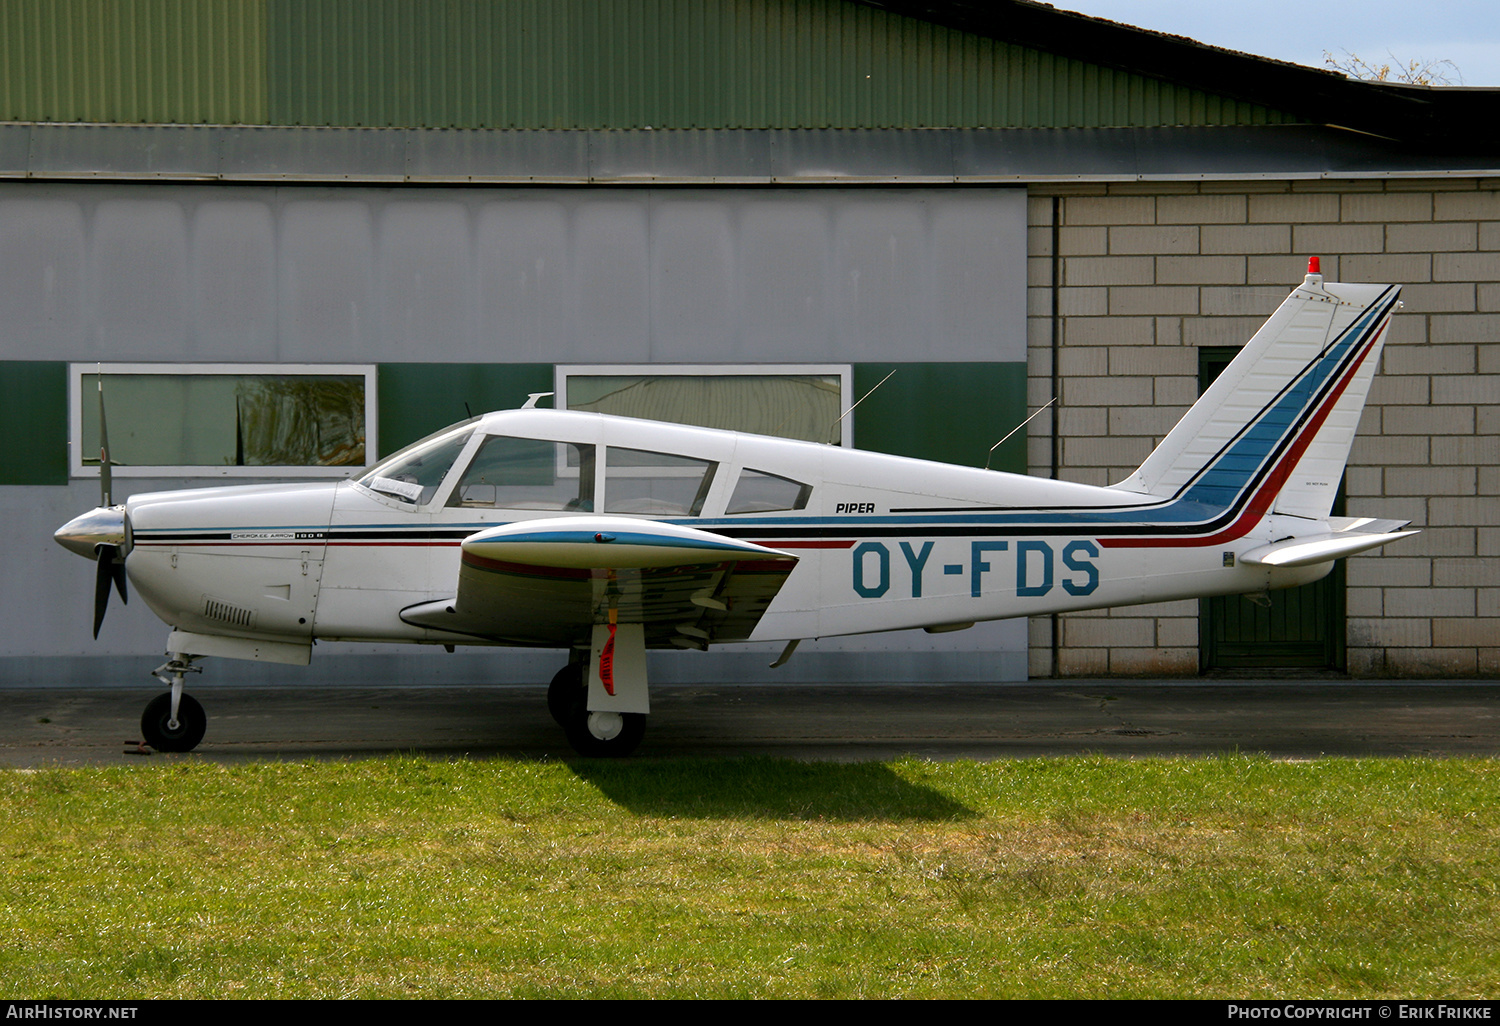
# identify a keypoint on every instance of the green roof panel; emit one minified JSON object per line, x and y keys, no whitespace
{"x":558,"y":64}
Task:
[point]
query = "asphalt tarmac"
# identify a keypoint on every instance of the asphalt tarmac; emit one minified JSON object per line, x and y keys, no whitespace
{"x":1290,"y":720}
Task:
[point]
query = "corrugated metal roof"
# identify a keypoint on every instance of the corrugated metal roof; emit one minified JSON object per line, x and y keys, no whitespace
{"x":627,"y":64}
{"x":139,"y":61}
{"x":558,"y":64}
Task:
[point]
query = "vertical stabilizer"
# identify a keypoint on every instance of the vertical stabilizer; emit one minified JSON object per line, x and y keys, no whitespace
{"x":1274,"y":429}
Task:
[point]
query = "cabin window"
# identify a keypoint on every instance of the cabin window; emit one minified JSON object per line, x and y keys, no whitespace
{"x":224,"y":420}
{"x":759,"y":492}
{"x":655,"y":483}
{"x":528,"y":473}
{"x":805,"y":402}
{"x":414,"y":474}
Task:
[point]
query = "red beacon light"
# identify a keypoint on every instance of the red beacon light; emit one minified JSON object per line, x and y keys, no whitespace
{"x":1313,"y":266}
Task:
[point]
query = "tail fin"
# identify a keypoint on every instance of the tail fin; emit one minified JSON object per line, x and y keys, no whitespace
{"x":1273,"y":432}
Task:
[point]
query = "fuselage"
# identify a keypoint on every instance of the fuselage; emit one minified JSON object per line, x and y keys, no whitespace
{"x":884,"y":542}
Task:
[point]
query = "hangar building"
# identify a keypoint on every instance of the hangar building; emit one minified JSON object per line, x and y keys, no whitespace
{"x":716,"y":209}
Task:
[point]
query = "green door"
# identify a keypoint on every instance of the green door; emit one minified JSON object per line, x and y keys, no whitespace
{"x":1303,"y":628}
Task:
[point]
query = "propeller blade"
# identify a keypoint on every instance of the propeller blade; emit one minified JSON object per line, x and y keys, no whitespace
{"x":103,"y":574}
{"x":106,"y":485}
{"x":117,"y":571}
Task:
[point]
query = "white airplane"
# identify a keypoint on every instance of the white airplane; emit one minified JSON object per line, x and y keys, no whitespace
{"x":609,"y":536}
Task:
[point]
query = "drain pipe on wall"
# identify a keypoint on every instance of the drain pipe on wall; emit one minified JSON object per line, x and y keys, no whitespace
{"x":1057,"y":206}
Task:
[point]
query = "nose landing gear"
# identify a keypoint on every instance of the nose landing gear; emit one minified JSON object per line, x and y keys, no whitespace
{"x":174,"y":721}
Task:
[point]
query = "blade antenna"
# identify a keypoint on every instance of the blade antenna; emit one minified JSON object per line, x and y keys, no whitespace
{"x":860,"y":400}
{"x":106,"y":483}
{"x":1013,"y":430}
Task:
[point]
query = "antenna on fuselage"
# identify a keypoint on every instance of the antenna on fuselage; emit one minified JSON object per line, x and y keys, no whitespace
{"x":1013,"y":430}
{"x":530,"y":403}
{"x":856,"y":403}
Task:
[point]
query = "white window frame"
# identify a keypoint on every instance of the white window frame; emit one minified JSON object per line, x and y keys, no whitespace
{"x":77,"y":446}
{"x":843,"y":371}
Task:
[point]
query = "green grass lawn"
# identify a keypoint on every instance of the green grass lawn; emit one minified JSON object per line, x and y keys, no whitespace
{"x":1087,"y":877}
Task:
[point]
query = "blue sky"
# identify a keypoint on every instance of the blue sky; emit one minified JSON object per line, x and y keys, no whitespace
{"x":1466,"y":32}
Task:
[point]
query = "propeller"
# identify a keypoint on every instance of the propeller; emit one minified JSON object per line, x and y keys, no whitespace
{"x":101,"y":534}
{"x":109,"y":561}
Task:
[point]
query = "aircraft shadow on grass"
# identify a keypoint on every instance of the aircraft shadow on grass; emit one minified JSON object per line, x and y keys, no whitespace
{"x":768,"y":788}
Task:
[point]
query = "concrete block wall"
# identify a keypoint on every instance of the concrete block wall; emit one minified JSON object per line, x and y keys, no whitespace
{"x":1149,"y":272}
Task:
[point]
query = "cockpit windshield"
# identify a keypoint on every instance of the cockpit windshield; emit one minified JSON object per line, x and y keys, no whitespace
{"x":413,"y":474}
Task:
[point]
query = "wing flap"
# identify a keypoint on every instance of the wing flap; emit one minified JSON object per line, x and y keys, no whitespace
{"x":547,"y":582}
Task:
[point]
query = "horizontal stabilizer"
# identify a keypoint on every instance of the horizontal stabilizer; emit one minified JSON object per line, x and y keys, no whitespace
{"x":1320,"y":548}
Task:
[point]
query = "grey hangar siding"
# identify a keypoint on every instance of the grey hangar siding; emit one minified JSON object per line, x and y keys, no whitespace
{"x":505,"y":282}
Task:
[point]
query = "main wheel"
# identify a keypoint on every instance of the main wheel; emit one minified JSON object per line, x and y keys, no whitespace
{"x":594,"y":734}
{"x":565,"y":684}
{"x":191,"y":723}
{"x":608,"y":735}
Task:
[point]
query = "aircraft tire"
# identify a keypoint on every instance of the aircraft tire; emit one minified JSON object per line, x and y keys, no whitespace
{"x":565,"y":684}
{"x":567,"y":698}
{"x":191,"y":724}
{"x":586,"y":743}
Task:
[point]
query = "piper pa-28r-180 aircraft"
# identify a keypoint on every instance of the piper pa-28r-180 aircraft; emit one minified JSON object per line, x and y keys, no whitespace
{"x":609,"y":536}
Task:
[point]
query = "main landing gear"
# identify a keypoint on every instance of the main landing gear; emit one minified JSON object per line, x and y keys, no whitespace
{"x":594,"y":734}
{"x":174,"y":721}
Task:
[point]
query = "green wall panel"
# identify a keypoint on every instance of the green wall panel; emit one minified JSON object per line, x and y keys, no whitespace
{"x":417,"y":399}
{"x":951,"y":412}
{"x":33,"y":423}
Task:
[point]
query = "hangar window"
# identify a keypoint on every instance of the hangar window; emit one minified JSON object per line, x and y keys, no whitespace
{"x":805,"y":402}
{"x":229,"y":420}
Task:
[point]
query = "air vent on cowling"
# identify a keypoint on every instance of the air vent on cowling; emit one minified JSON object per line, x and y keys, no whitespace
{"x":213,"y":609}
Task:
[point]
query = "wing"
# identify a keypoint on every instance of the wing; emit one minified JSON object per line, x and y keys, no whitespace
{"x":547,"y":582}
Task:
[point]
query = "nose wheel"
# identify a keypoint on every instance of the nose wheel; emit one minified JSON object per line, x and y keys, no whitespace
{"x":166,"y":734}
